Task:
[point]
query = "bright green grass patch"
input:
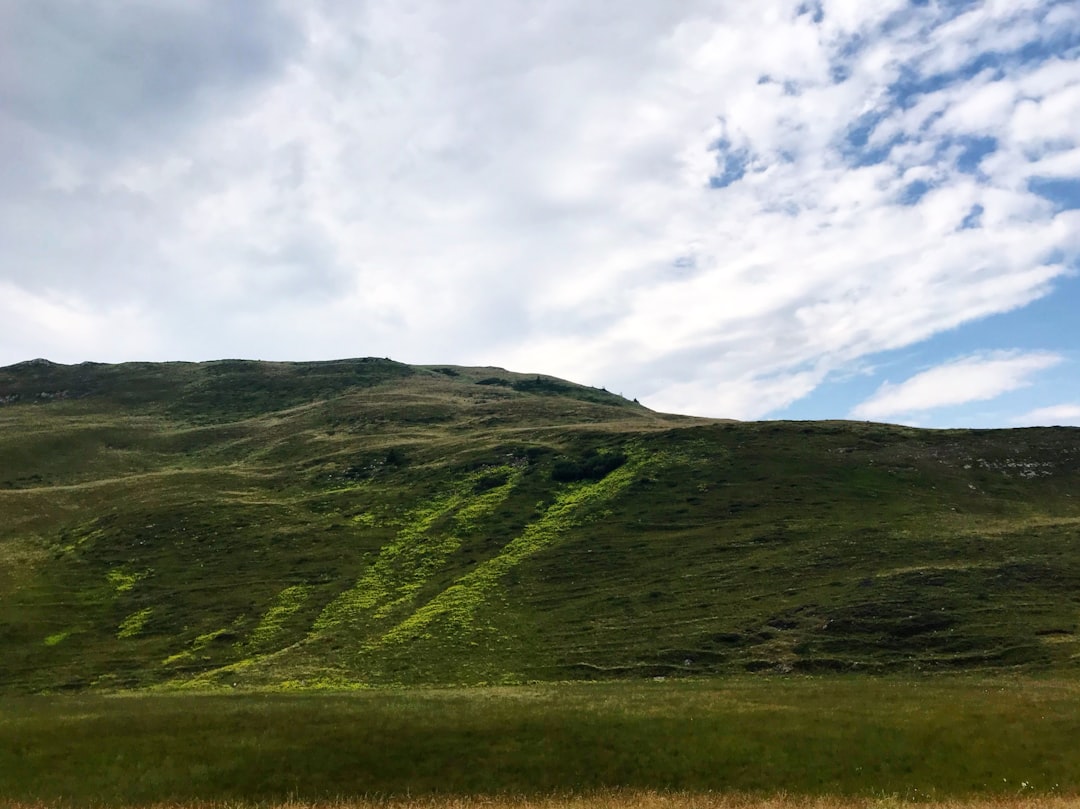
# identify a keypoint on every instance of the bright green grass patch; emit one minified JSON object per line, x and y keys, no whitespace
{"x":289,"y":601}
{"x":134,"y":623}
{"x":122,"y":581}
{"x":200,"y":643}
{"x":421,"y":547}
{"x":455,"y":607}
{"x":57,"y":638}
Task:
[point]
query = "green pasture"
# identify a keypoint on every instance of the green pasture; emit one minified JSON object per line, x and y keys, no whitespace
{"x":918,"y":738}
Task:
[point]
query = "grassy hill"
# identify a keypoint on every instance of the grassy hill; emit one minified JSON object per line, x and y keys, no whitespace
{"x":332,"y":524}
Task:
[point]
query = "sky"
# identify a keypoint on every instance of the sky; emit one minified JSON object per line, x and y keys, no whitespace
{"x":778,"y":209}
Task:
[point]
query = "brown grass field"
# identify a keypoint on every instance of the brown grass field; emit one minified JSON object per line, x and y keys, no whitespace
{"x":630,"y":800}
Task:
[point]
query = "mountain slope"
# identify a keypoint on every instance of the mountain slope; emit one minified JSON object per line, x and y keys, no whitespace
{"x":364,"y":521}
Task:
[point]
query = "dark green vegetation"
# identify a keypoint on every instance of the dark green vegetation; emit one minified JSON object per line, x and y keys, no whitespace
{"x":929,"y":738}
{"x":363,"y":521}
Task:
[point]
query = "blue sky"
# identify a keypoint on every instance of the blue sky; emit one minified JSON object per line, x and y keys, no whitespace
{"x":783,"y":209}
{"x":1046,"y":326}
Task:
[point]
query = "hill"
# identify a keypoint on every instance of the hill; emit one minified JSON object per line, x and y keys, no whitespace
{"x":333,"y":524}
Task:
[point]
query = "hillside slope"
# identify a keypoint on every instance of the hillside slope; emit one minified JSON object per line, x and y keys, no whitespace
{"x":363,"y":521}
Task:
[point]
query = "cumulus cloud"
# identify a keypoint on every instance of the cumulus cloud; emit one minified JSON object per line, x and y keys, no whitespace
{"x":49,"y":325}
{"x":1055,"y":415}
{"x":969,"y":379}
{"x":715,"y":207}
{"x":112,"y":75}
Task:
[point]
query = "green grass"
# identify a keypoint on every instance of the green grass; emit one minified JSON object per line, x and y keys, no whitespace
{"x":914,"y":738}
{"x":363,"y":522}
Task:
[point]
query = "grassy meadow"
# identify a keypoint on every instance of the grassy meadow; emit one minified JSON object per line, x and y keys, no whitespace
{"x":864,"y":738}
{"x":621,"y":799}
{"x":360,"y":582}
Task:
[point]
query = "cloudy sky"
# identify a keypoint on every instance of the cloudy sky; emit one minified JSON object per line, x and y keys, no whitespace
{"x":769,"y":209}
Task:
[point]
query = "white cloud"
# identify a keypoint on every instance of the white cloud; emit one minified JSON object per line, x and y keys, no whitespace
{"x":49,"y":324}
{"x":1053,"y":416}
{"x":969,"y":379}
{"x":529,"y":186}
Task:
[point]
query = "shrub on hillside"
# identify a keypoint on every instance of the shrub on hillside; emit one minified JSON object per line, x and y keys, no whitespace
{"x":594,"y":465}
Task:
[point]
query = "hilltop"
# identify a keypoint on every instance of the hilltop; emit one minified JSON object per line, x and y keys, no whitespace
{"x":333,"y":524}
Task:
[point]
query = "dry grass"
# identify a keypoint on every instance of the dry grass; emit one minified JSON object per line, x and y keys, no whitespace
{"x":628,"y":800}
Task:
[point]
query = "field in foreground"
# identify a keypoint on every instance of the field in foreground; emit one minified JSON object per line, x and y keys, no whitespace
{"x":860,"y":739}
{"x":641,"y":800}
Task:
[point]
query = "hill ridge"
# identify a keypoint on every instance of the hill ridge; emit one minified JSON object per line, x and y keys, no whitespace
{"x":194,"y":525}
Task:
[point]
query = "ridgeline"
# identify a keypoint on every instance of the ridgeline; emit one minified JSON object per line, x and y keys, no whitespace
{"x":355,"y":522}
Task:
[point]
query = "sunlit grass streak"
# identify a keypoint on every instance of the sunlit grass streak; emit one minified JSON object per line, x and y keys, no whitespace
{"x":417,"y":551}
{"x":400,"y":570}
{"x":288,"y":602}
{"x":457,"y":604}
